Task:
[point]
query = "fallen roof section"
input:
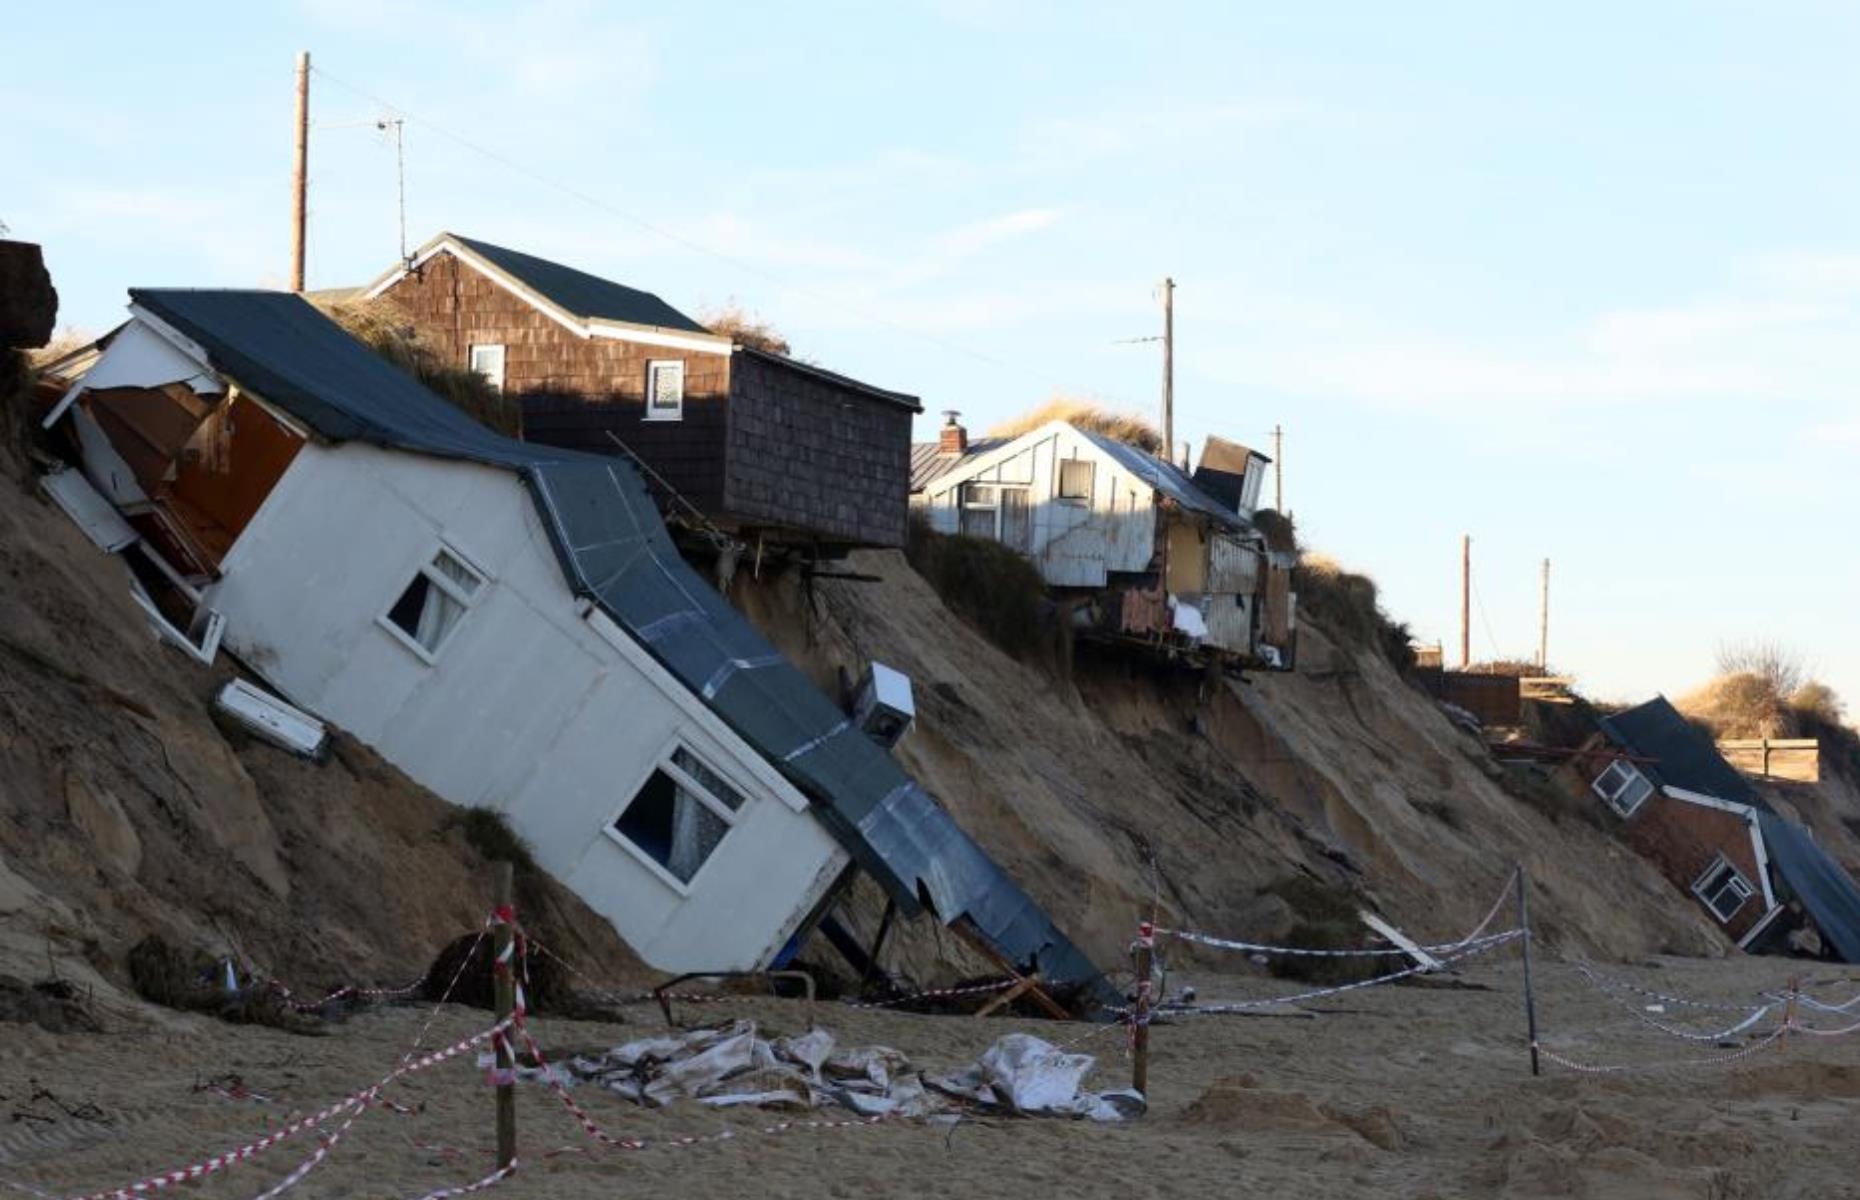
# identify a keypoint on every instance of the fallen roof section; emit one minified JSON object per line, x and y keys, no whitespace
{"x":1825,"y":890}
{"x":614,"y":550}
{"x":1683,"y":756}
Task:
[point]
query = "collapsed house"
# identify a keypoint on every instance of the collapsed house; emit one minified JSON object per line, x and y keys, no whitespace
{"x":765,"y":446}
{"x":1136,"y":549}
{"x":1761,"y":877}
{"x":511,"y":625}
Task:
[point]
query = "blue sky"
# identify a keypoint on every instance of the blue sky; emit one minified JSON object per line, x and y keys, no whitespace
{"x":1581,"y":281}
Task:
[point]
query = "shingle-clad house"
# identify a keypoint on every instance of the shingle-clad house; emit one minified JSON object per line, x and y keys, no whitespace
{"x":761,"y":444}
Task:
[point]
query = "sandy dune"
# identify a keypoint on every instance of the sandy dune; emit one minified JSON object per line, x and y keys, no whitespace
{"x":1409,"y":1091}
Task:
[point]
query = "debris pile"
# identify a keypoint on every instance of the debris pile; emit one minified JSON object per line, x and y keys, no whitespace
{"x":732,"y":1065}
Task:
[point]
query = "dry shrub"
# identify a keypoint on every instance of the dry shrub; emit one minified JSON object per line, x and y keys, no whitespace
{"x":986,"y":584}
{"x":395,"y":335}
{"x":1347,"y":606}
{"x":743,"y":327}
{"x":1123,"y":426}
{"x":1771,"y":662}
{"x":1279,"y":530}
{"x":1754,"y":704}
{"x":63,"y":342}
{"x":195,"y":981}
{"x":1327,"y":920}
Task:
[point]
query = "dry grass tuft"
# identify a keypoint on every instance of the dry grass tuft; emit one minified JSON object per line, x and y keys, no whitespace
{"x":395,"y":335}
{"x":1124,"y":426}
{"x":986,"y":584}
{"x":1347,"y":606}
{"x":1754,"y":704}
{"x":745,"y":328}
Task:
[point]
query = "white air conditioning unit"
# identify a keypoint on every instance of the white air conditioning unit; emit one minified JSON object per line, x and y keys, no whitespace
{"x":884,"y":709}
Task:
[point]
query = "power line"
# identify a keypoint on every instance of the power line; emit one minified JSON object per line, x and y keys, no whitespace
{"x":659,"y":231}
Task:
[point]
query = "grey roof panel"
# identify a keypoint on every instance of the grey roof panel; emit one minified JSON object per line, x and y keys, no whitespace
{"x":1811,"y":876}
{"x":1165,"y":477}
{"x":587,"y":296}
{"x":929,"y":463}
{"x":614,"y":549}
{"x":1683,"y":755}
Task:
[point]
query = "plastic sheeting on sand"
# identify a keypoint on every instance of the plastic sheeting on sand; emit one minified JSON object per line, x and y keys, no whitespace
{"x":733,"y":1065}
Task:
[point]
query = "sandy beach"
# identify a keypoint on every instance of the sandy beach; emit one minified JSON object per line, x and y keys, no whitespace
{"x":1413,"y":1091}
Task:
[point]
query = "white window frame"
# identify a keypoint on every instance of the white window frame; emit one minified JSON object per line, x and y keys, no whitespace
{"x":494,"y":378}
{"x":438,"y":579}
{"x":994,"y":509}
{"x":730,"y":817}
{"x":1059,"y":480}
{"x":1633,"y":778}
{"x":654,"y":368}
{"x":1738,"y":884}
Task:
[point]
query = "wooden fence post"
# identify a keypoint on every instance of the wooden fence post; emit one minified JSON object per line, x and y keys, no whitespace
{"x":1530,"y":997}
{"x":504,"y":983}
{"x":1140,"y":1011}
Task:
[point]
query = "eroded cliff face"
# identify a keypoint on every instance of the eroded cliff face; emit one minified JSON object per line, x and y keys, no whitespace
{"x":1129,"y":789}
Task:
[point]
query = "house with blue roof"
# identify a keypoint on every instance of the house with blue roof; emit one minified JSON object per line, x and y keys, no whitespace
{"x":1138,"y":550}
{"x":1759,"y":876}
{"x":512,"y":626}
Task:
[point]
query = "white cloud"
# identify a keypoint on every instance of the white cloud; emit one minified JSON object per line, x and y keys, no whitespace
{"x":967,"y":240}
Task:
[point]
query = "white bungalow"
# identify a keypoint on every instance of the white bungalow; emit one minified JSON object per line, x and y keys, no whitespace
{"x":510,"y":625}
{"x":1163,"y":555}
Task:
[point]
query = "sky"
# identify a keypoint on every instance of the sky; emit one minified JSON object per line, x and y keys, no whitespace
{"x":1581,"y":281}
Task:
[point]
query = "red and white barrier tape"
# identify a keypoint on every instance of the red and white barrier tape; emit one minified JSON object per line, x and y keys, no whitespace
{"x":1198,"y":1010}
{"x":1471,"y":939}
{"x":1716,"y":1060}
{"x":1607,"y":988}
{"x":346,"y":992}
{"x":355,"y":1100}
{"x":977,"y":989}
{"x":489,"y":1181}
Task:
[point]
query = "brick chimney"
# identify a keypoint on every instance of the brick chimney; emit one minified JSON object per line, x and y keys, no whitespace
{"x":954,"y":439}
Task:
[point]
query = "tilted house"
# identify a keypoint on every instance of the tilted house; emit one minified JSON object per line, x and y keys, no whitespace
{"x":761,"y":444}
{"x":512,"y":626}
{"x":1147,"y":552}
{"x":1759,"y":875}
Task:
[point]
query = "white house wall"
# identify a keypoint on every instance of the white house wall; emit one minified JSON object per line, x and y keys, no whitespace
{"x":527,"y":708}
{"x":1074,"y":544}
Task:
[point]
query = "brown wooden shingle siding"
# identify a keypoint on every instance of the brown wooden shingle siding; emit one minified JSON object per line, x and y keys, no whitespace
{"x":762,"y":443}
{"x":809,"y":454}
{"x":575,"y":389}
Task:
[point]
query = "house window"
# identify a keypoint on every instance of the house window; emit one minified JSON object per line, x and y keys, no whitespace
{"x":1623,"y":786}
{"x":679,"y":816}
{"x":665,"y":391}
{"x":488,"y":361}
{"x":1723,"y":889}
{"x":979,"y":504}
{"x":432,"y":605}
{"x":1075,"y":479}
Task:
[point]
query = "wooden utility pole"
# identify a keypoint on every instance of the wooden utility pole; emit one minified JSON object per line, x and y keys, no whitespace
{"x":504,"y":985}
{"x":300,"y":172}
{"x":1465,"y":601}
{"x":1278,"y":468}
{"x":1140,"y":1010}
{"x":1168,"y":430}
{"x":1543,"y":622}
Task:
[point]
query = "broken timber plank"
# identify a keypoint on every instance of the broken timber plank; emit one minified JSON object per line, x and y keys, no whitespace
{"x":1400,"y":940}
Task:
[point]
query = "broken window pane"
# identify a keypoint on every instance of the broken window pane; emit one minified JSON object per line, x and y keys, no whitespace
{"x":672,"y":826}
{"x":426,"y":613}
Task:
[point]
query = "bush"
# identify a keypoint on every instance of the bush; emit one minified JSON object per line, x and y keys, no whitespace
{"x":983,"y":582}
{"x":1328,"y":920}
{"x":1346,"y":605}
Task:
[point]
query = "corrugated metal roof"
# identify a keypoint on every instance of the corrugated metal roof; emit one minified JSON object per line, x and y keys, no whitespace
{"x":1164,"y":477}
{"x":613,"y":548}
{"x":587,"y":296}
{"x":929,"y":463}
